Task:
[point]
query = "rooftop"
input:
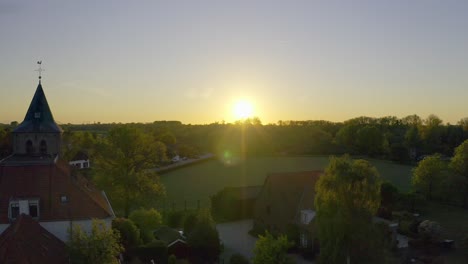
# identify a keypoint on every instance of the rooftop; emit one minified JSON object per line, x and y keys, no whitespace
{"x":39,"y":118}
{"x":25,"y":241}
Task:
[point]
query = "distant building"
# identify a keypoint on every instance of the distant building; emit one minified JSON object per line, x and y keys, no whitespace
{"x":175,"y":241}
{"x":80,"y":161}
{"x":36,"y":182}
{"x":286,"y":202}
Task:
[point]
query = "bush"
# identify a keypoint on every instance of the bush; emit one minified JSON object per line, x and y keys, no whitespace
{"x":172,"y":259}
{"x":156,"y":250}
{"x":204,"y":240}
{"x":147,"y":221}
{"x":129,"y":232}
{"x":429,"y":231}
{"x":101,"y":245}
{"x":175,"y":219}
{"x":189,"y":223}
{"x":238,"y":259}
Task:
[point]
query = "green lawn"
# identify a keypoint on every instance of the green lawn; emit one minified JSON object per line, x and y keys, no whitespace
{"x":200,"y":181}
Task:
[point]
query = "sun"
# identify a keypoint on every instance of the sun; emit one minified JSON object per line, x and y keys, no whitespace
{"x":243,"y":109}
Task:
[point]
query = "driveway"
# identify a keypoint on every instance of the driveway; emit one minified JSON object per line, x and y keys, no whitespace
{"x":236,"y":239}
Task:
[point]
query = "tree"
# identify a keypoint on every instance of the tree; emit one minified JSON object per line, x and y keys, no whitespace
{"x":124,"y":168}
{"x":388,"y":198}
{"x":204,"y":240}
{"x":100,"y":246}
{"x":369,"y":140}
{"x":347,"y":196}
{"x":459,"y":164}
{"x":428,"y":175}
{"x":147,"y":221}
{"x":431,"y":133}
{"x":129,"y":232}
{"x":272,"y":250}
{"x":190,"y":222}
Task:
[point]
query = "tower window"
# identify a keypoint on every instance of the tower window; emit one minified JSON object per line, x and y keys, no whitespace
{"x":43,"y":147}
{"x":29,"y":147}
{"x":37,"y":115}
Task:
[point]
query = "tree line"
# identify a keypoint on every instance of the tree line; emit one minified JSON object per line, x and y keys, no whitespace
{"x":399,"y":139}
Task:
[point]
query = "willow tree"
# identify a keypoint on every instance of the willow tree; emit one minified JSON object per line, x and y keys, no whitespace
{"x":347,"y":196}
{"x":459,"y":164}
{"x":123,"y":168}
{"x":428,"y":175}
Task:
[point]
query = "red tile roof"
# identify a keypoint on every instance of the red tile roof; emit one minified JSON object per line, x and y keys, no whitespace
{"x":283,"y":196}
{"x":26,"y":242}
{"x":48,"y":183}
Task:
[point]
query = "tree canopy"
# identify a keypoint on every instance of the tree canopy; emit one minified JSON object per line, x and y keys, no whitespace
{"x":272,"y":250}
{"x":123,"y":167}
{"x":459,"y":164}
{"x":101,"y":245}
{"x":204,"y":239}
{"x":347,"y":196}
{"x":428,"y":175}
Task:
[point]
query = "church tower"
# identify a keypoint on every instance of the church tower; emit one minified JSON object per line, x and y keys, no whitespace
{"x":38,"y":134}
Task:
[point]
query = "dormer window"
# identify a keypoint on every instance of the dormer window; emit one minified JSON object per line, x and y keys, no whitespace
{"x":29,"y":207}
{"x":37,"y":115}
{"x":64,"y":199}
{"x":14,"y":210}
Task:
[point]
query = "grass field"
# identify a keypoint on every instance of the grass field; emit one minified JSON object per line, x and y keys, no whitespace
{"x":200,"y":181}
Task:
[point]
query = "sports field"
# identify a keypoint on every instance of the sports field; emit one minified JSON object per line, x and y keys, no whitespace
{"x":200,"y":181}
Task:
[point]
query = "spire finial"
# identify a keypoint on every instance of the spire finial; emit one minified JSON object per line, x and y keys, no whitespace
{"x":40,"y":70}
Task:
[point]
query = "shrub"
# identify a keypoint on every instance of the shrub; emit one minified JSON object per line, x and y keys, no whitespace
{"x":175,"y":219}
{"x":172,"y":259}
{"x":238,"y":259}
{"x":429,"y":231}
{"x":147,"y":221}
{"x":129,"y":232}
{"x":189,"y":223}
{"x":101,"y":245}
{"x":156,"y":250}
{"x":204,"y":240}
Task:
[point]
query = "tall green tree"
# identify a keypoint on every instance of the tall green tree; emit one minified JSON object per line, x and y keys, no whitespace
{"x":428,"y":175}
{"x":147,"y":220}
{"x":204,"y":240}
{"x":347,"y":196}
{"x":101,"y":245}
{"x":272,"y":250}
{"x":459,"y":164}
{"x":123,"y":168}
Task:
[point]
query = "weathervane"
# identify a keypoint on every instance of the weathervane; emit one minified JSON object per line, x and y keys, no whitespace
{"x":40,"y":70}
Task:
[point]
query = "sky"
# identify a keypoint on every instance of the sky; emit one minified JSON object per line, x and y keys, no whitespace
{"x":141,"y":61}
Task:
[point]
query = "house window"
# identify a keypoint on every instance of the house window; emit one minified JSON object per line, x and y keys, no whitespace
{"x":64,"y":199}
{"x":33,"y":209}
{"x":29,"y":207}
{"x":85,"y":164}
{"x":14,"y":210}
{"x":43,"y":147}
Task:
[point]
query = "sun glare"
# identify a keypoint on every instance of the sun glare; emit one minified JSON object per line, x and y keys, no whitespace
{"x":243,"y":109}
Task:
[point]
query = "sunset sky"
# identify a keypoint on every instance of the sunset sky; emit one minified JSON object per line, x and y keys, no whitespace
{"x":141,"y":61}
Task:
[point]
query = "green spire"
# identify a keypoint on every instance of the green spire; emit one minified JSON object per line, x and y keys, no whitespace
{"x":39,"y":118}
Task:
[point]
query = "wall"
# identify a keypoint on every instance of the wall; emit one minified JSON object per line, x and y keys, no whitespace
{"x":53,"y":142}
{"x":60,"y":228}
